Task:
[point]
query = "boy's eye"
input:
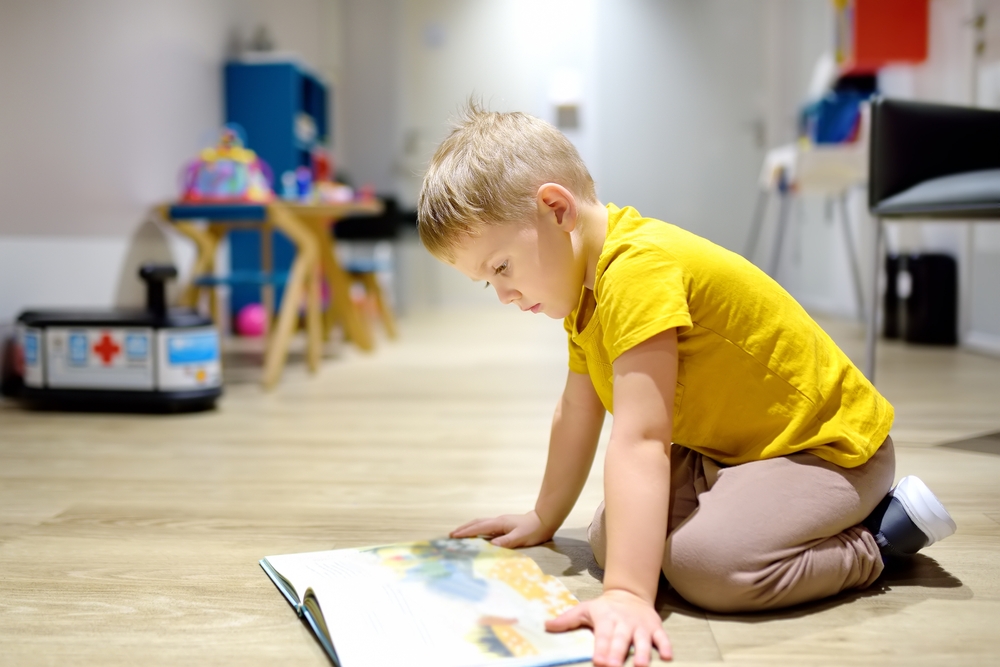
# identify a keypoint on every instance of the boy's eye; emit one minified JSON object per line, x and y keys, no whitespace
{"x":497,"y":271}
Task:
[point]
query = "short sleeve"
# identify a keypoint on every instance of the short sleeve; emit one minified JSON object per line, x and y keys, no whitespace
{"x":642,"y":291}
{"x":577,"y":358}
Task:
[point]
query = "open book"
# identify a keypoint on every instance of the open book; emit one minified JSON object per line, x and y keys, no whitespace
{"x":441,"y":603}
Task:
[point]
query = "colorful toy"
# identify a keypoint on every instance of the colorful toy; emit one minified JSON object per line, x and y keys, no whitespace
{"x":322,"y":165}
{"x":251,"y":320}
{"x":227,"y":172}
{"x":155,"y":359}
{"x":303,"y":182}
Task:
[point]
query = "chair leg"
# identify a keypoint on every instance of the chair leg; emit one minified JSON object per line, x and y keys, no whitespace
{"x":873,"y":306}
{"x":756,"y":223}
{"x":370,"y":281}
{"x":779,"y":233}
{"x":852,"y":254}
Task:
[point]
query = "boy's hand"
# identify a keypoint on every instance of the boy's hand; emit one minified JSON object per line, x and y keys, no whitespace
{"x":620,"y":619}
{"x":509,"y":530}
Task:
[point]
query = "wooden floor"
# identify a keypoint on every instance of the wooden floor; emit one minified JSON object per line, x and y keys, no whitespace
{"x":135,"y":539}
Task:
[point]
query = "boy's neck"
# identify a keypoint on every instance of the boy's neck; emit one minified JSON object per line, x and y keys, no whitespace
{"x":593,"y":231}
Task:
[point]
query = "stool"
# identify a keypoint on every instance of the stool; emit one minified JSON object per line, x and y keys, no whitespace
{"x":365,"y":274}
{"x":363,"y":271}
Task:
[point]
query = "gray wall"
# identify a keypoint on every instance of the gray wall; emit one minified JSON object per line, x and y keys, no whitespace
{"x":104,"y":100}
{"x":102,"y":103}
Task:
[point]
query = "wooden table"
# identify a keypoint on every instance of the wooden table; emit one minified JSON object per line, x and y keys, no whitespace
{"x":318,"y":218}
{"x":308,"y":227}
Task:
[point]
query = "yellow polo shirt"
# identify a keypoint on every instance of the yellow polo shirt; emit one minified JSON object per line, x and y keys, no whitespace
{"x":757,"y":377}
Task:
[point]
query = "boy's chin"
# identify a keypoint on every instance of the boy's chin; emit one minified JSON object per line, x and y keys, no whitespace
{"x":556,"y":314}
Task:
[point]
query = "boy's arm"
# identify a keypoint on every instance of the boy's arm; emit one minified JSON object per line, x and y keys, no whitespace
{"x":576,"y":428}
{"x":637,"y":489}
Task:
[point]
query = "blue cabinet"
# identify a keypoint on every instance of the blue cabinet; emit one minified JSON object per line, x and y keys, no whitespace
{"x":283,"y":109}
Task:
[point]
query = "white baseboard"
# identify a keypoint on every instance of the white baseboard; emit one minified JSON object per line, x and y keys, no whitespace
{"x":82,"y":271}
{"x":985,"y":343}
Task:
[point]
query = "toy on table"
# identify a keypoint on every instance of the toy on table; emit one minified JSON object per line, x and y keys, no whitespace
{"x":227,"y":172}
{"x":157,"y":359}
{"x":315,"y":184}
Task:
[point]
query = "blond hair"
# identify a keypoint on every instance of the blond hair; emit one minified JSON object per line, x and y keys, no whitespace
{"x":488,"y":171}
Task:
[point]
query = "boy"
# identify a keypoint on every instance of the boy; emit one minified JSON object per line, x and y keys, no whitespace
{"x":749,"y":460}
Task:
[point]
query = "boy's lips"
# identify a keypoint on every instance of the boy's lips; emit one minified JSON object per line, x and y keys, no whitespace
{"x":537,"y":307}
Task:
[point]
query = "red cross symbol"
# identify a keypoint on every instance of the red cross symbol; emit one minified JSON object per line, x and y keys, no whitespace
{"x":106,"y":349}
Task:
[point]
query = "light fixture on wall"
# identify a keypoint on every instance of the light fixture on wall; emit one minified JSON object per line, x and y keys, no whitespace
{"x":567,"y":116}
{"x":565,"y":94}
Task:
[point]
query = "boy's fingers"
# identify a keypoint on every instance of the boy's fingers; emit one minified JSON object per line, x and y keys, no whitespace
{"x":460,"y":531}
{"x":621,"y":640}
{"x":602,"y":643}
{"x":515,"y":538}
{"x":643,"y":648}
{"x":568,"y":620}
{"x":468,"y":524}
{"x":662,"y":643}
{"x":475,"y":528}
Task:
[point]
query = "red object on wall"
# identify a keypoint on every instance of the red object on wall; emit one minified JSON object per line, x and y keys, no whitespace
{"x":875,"y":33}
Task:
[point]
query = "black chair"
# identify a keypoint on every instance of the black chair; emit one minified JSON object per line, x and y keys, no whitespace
{"x":364,"y":270}
{"x":929,"y":161}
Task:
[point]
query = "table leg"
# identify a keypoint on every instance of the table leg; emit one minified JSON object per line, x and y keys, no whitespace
{"x":341,"y":308}
{"x":314,"y":316}
{"x":281,"y":338}
{"x":304,"y":272}
{"x":204,"y":263}
{"x":217,"y":233}
{"x":267,"y":290}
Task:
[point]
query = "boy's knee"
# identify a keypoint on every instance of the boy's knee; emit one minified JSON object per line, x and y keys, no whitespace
{"x":703,"y":575}
{"x":720,"y":592}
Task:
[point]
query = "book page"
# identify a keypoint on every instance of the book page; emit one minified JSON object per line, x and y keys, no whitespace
{"x":441,"y":603}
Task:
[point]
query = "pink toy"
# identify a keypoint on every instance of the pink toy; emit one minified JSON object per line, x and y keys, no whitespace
{"x":227,"y":173}
{"x":251,"y":320}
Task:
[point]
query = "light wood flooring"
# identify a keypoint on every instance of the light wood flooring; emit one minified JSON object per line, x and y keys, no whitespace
{"x":131,"y":539}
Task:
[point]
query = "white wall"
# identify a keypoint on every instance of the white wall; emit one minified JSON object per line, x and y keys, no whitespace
{"x":102,"y":103}
{"x":672,"y":98}
{"x":681,"y":116}
{"x":104,"y":100}
{"x":411,"y":66}
{"x":814,"y":264}
{"x":679,"y":100}
{"x":370,"y":95}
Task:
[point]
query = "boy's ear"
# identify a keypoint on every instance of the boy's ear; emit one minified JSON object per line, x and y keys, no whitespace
{"x":557,"y":204}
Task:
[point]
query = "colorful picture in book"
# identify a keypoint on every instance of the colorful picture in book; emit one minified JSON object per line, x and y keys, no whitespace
{"x":510,"y":594}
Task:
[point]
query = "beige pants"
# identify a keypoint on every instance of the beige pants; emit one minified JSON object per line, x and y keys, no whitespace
{"x":767,"y":534}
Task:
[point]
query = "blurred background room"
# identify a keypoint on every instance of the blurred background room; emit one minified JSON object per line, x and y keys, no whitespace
{"x":371,"y":394}
{"x":104,"y":102}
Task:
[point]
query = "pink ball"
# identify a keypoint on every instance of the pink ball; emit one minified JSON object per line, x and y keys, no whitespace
{"x":251,"y":320}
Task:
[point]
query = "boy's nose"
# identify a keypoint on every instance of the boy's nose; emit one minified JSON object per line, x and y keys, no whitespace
{"x":507,"y":295}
